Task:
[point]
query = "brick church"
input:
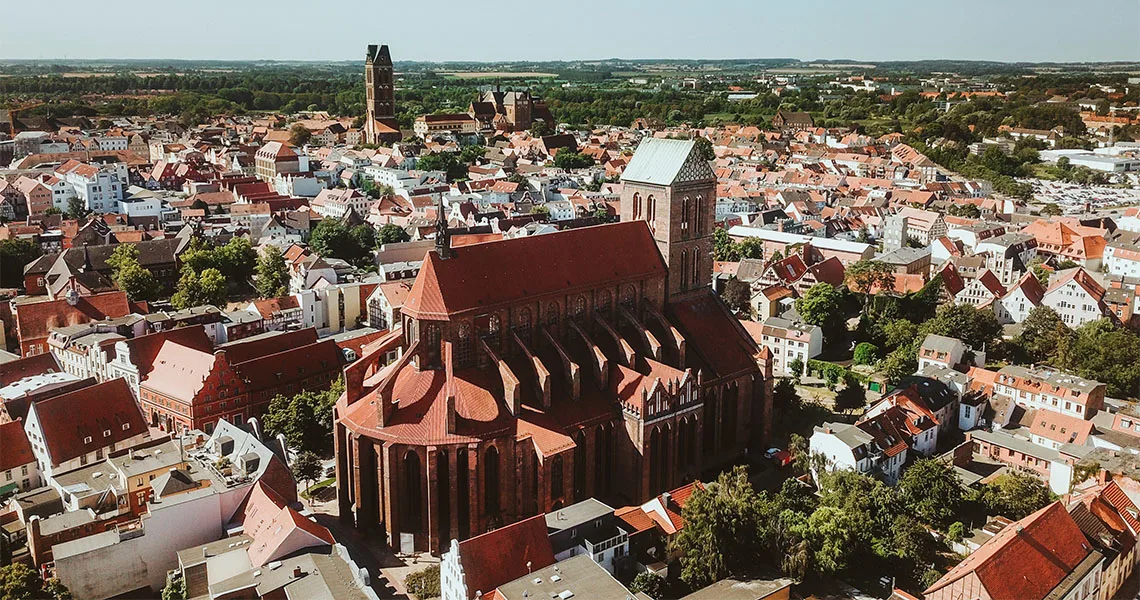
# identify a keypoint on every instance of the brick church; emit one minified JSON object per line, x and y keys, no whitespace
{"x":380,"y":123}
{"x":539,"y":371}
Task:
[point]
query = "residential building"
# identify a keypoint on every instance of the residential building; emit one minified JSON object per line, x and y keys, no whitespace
{"x":19,"y":471}
{"x":854,"y":448}
{"x":1043,"y":387}
{"x":73,"y":429}
{"x":458,"y":123}
{"x":1044,"y":555}
{"x":474,"y":567}
{"x":335,"y":203}
{"x":788,"y":341}
{"x":1077,"y":297}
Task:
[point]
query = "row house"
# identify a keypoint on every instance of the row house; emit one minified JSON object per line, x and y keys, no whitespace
{"x":70,"y":430}
{"x":1053,"y":466}
{"x":1043,"y":556}
{"x":19,"y":471}
{"x":335,"y":203}
{"x":192,"y":389}
{"x":787,"y":340}
{"x":1043,"y":387}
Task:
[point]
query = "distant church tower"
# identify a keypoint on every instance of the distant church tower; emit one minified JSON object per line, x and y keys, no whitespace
{"x":669,"y":185}
{"x":380,"y":95}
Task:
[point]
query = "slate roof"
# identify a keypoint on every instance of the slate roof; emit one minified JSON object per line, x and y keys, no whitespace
{"x":660,"y":162}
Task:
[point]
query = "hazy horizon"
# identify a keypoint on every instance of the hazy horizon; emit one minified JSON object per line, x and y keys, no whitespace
{"x":290,"y":30}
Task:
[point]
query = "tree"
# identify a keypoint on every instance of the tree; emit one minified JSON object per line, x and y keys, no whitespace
{"x":898,"y":333}
{"x":305,"y":419}
{"x":737,"y":295}
{"x":539,"y":128}
{"x":796,"y":367}
{"x":299,"y":135}
{"x":471,"y":154}
{"x":1044,"y":335}
{"x":649,"y":583}
{"x":724,"y":249}
{"x":720,"y":537}
{"x":970,"y":211}
{"x":332,"y":238}
{"x":541,"y":212}
{"x":198,"y":290}
{"x":393,"y":234}
{"x":424,"y":584}
{"x":15,"y":254}
{"x":237,"y":259}
{"x":851,"y":397}
{"x":822,"y":305}
{"x":139,"y":283}
{"x":1016,"y":495}
{"x":1051,"y":209}
{"x":1107,"y":353}
{"x":21,"y":582}
{"x":751,"y":248}
{"x":175,"y":588}
{"x":572,"y":160}
{"x":307,"y":468}
{"x":976,"y":328}
{"x":866,"y":353}
{"x":272,"y":273}
{"x":76,"y":209}
{"x":866,"y":275}
{"x":899,"y":363}
{"x":931,"y":492}
{"x":443,"y":161}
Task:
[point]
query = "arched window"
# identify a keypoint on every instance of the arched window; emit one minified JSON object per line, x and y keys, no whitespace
{"x":685,"y":214}
{"x":494,"y":325}
{"x":652,"y":210}
{"x":412,"y":516}
{"x":580,"y":307}
{"x":556,"y":489}
{"x":636,"y":206}
{"x":684,"y":269}
{"x":629,"y":297}
{"x":552,"y":314}
{"x":605,"y":301}
{"x":696,"y":269}
{"x":463,"y":344}
{"x":522,"y":323}
{"x":491,"y":481}
{"x":700,"y":220}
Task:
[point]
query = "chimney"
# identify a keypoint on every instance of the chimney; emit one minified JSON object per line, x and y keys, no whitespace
{"x":297,"y":572}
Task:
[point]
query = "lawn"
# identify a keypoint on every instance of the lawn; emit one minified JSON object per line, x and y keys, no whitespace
{"x":317,"y":487}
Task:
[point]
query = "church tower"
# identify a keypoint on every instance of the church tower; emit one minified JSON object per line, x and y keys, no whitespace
{"x":380,"y":95}
{"x":670,"y":186}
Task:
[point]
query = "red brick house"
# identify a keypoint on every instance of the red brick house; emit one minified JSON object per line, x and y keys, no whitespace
{"x":192,"y":389}
{"x":35,"y":320}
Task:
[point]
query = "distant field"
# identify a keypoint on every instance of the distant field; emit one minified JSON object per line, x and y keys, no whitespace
{"x":496,"y":74}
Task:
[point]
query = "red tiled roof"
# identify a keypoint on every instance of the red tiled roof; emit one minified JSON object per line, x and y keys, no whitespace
{"x":267,"y":307}
{"x":38,"y":364}
{"x":490,"y":274}
{"x":1061,"y":428}
{"x":246,"y":350}
{"x":717,"y":342}
{"x":105,"y":413}
{"x":178,"y":371}
{"x":1027,"y":559}
{"x":503,"y":555}
{"x":17,"y":450}
{"x":144,"y":348}
{"x":277,"y":530}
{"x":35,"y":320}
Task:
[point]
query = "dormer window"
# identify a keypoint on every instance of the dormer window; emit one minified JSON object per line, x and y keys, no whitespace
{"x":126,"y":426}
{"x":87,"y":440}
{"x":106,"y":433}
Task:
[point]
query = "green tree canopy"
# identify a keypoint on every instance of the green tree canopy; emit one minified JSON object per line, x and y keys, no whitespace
{"x":1044,"y":336}
{"x":299,"y":135}
{"x":198,"y":290}
{"x":16,"y":253}
{"x":977,"y":328}
{"x":393,"y":234}
{"x":272,"y":273}
{"x":822,"y":305}
{"x":305,"y":419}
{"x":932,"y":492}
{"x":737,"y":295}
{"x":720,"y":534}
{"x":1016,"y":495}
{"x":307,"y":468}
{"x":18,"y":581}
{"x":572,"y":160}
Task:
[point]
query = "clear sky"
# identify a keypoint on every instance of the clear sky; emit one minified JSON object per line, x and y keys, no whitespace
{"x":442,"y":30}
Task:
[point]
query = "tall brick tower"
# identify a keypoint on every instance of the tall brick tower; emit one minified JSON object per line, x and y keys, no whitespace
{"x":380,"y":95}
{"x":669,"y":185}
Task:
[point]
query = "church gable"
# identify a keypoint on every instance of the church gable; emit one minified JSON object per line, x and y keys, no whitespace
{"x":667,"y":162}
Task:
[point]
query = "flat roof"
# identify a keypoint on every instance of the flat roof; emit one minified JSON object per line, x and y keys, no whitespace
{"x":576,"y":514}
{"x":735,"y":589}
{"x":576,"y":577}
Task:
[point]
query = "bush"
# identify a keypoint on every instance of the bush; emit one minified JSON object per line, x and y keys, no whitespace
{"x":424,"y":584}
{"x":866,"y":353}
{"x":649,"y":583}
